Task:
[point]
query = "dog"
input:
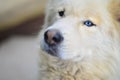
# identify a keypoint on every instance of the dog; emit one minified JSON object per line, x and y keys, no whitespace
{"x":80,"y":40}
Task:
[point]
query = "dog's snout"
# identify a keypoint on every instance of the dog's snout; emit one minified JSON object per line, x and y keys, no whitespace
{"x":53,"y":37}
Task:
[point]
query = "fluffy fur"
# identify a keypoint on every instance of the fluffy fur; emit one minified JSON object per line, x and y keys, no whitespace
{"x":87,"y":53}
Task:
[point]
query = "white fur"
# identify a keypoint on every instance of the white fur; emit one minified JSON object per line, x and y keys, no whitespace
{"x":94,"y":48}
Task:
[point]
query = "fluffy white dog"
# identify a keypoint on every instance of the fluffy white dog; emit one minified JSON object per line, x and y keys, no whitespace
{"x":80,"y":40}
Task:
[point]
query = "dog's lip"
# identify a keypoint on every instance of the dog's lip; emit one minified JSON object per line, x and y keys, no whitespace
{"x":52,"y":50}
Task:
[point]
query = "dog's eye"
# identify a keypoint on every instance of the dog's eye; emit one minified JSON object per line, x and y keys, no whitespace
{"x":89,"y":23}
{"x":61,"y":13}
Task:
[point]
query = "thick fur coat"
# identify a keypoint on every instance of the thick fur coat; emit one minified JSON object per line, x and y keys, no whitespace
{"x":87,"y":52}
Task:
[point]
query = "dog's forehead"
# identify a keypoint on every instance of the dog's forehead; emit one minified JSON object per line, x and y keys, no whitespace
{"x":83,"y":6}
{"x":82,"y":2}
{"x":86,"y":9}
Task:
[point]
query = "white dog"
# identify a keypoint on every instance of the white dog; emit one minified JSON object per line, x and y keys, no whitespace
{"x":80,"y":40}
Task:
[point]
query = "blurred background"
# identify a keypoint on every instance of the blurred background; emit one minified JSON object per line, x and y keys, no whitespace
{"x":20,"y":22}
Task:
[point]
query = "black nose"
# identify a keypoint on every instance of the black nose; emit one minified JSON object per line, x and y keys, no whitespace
{"x":53,"y":37}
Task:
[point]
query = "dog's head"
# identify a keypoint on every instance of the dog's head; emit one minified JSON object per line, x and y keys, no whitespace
{"x":80,"y":29}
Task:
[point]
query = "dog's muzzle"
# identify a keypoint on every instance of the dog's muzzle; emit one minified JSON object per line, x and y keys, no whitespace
{"x":52,"y":39}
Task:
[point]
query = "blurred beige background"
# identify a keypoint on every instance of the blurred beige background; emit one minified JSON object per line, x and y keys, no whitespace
{"x":19,"y":58}
{"x":20,"y":22}
{"x":13,"y":12}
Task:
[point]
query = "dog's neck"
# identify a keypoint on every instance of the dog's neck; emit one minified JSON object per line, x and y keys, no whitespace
{"x":80,"y":69}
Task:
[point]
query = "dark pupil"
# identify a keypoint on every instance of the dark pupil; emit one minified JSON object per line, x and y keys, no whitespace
{"x":88,"y":23}
{"x":61,"y":13}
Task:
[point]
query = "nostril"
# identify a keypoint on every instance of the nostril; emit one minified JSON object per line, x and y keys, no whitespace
{"x":53,"y":37}
{"x":57,"y":37}
{"x":46,"y":36}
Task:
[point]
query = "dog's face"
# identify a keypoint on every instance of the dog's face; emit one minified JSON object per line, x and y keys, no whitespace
{"x":78,"y":29}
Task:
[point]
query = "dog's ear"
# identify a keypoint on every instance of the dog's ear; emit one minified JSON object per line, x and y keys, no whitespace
{"x":114,"y":8}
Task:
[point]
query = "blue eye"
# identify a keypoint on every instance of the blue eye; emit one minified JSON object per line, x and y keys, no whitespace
{"x":89,"y":23}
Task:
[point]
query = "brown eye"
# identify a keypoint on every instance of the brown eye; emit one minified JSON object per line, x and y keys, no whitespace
{"x":61,"y":13}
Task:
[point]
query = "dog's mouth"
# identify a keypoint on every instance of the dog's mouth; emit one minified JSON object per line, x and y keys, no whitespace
{"x":51,"y":49}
